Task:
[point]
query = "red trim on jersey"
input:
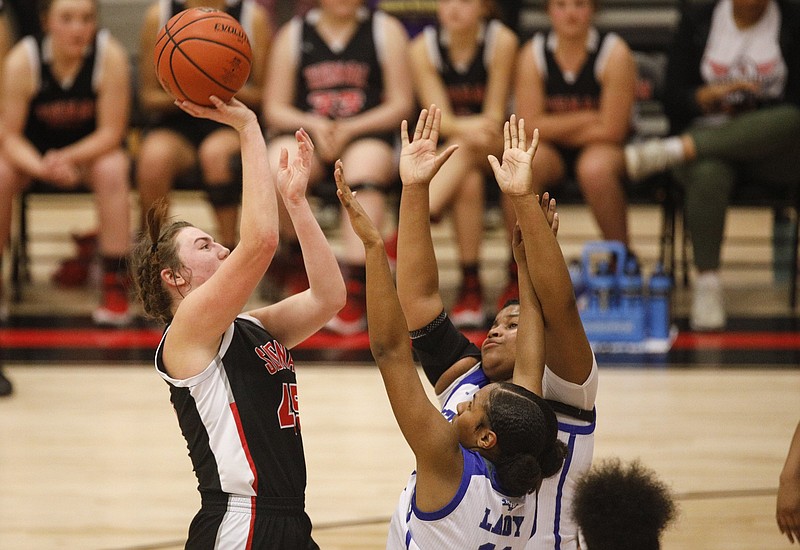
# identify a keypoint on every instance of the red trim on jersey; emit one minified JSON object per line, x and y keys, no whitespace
{"x":238,"y":420}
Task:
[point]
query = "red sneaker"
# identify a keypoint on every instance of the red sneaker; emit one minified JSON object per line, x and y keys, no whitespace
{"x":468,"y":310}
{"x":113,"y":310}
{"x":352,"y":319}
{"x":74,"y":272}
{"x":511,"y":292}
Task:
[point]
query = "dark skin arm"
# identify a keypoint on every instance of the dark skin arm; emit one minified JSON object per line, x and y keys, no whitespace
{"x":430,"y":436}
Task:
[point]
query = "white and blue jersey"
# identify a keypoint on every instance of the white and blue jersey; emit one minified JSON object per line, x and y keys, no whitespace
{"x":479,"y":517}
{"x":555,"y":529}
{"x":462,"y":389}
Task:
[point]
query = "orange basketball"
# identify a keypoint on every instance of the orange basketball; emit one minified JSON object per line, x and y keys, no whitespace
{"x":202,"y":52}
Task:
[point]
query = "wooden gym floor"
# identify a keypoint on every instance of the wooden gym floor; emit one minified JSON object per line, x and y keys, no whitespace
{"x":91,"y":456}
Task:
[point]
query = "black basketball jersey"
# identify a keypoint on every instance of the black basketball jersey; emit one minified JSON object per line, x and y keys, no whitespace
{"x":61,"y":113}
{"x":240,"y":417}
{"x":338,"y":84}
{"x":466,"y":86}
{"x":580,"y":91}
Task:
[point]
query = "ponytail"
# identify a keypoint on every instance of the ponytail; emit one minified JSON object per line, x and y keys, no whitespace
{"x":155,"y":250}
{"x":527,"y":438}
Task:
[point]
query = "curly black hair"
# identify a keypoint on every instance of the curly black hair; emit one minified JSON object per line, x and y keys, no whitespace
{"x":622,"y":507}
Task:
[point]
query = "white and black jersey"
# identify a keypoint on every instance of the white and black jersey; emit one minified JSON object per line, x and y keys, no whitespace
{"x":62,"y":112}
{"x":240,"y":418}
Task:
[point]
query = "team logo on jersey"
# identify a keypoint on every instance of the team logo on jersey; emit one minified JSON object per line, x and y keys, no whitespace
{"x":275,"y":356}
{"x":510,"y":505}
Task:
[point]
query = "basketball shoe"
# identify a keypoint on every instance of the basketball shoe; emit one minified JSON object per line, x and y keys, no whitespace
{"x":75,"y":272}
{"x":651,"y":157}
{"x":114,"y":309}
{"x":468,"y":309}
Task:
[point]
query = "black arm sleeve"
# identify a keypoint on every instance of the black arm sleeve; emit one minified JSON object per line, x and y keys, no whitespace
{"x":439,"y":344}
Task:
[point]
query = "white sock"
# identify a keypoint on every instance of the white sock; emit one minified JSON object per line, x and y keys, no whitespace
{"x":708,"y":278}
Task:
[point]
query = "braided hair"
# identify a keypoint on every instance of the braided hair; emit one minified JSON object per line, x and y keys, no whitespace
{"x":527,"y":438}
{"x":155,"y":250}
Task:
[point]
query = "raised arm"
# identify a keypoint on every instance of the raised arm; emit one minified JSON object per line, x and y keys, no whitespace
{"x":205,"y":313}
{"x":430,"y":436}
{"x":297,"y":317}
{"x":568,"y":352}
{"x":417,"y":270}
{"x":529,"y":363}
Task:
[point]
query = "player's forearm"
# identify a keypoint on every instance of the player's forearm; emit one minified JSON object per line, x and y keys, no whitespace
{"x":417,"y":271}
{"x":322,"y":269}
{"x":259,"y":220}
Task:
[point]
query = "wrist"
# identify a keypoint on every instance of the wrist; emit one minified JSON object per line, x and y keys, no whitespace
{"x":250,"y":125}
{"x":521,"y":197}
{"x":294,"y":204}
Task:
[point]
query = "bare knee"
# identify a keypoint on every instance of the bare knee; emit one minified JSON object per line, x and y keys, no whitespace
{"x":111,"y":172}
{"x":216,"y":155}
{"x":600,"y":169}
{"x":162,"y":156}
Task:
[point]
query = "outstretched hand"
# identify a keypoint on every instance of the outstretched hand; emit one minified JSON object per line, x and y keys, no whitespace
{"x":362,"y":225}
{"x":234,"y":113}
{"x":514,"y":175}
{"x":418,"y":159}
{"x":549,"y":209}
{"x":293,"y":178}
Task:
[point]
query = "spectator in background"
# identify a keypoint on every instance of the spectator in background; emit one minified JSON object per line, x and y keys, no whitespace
{"x":341,"y":73}
{"x":622,"y":507}
{"x":576,"y":85}
{"x":65,"y":105}
{"x":174,"y":144}
{"x":788,"y":502}
{"x":464,"y":66}
{"x":733,"y":96}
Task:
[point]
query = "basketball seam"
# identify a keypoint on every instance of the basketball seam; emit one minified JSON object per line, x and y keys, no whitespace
{"x":176,"y":41}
